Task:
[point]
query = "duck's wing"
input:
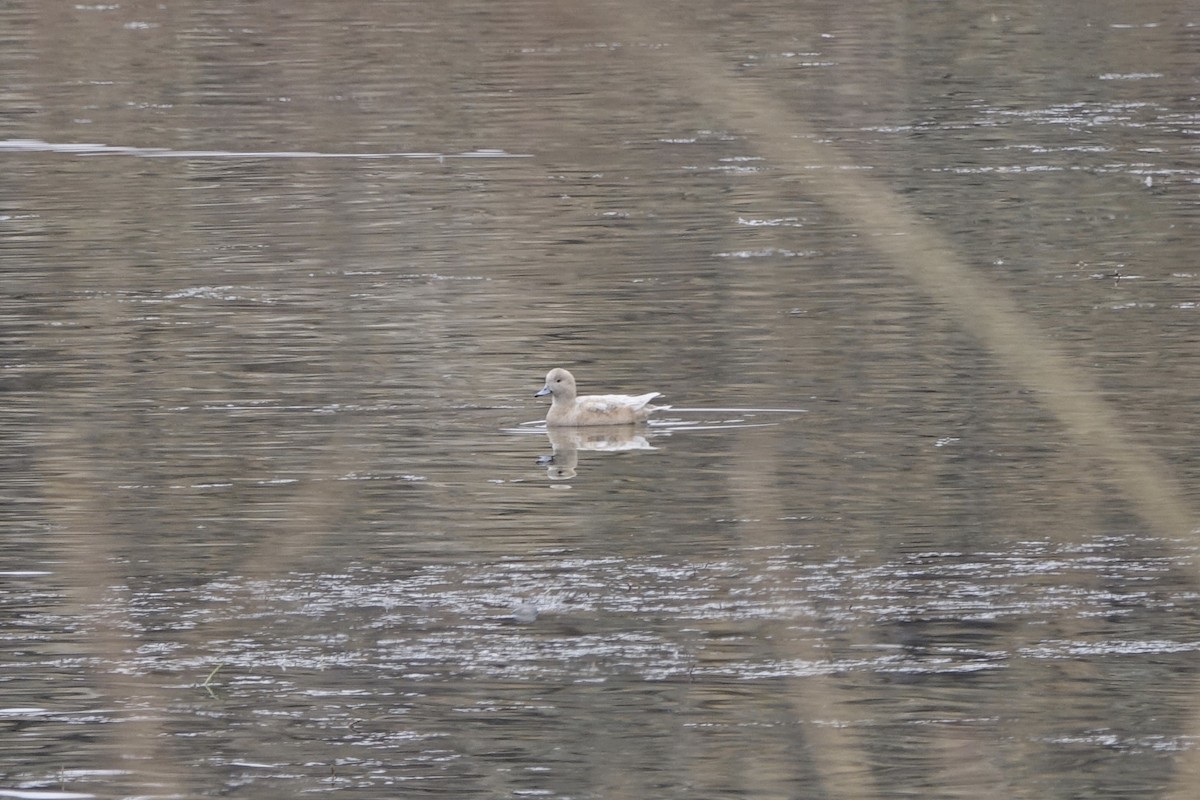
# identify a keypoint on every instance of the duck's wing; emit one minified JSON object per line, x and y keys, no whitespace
{"x":642,"y":400}
{"x":609,"y":403}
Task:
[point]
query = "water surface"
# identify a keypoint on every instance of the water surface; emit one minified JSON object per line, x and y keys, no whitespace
{"x":279,"y":284}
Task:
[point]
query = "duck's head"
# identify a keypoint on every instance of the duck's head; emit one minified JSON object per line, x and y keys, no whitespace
{"x":559,"y":383}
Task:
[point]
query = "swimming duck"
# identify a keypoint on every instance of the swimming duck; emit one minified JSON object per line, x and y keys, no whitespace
{"x":569,"y":410}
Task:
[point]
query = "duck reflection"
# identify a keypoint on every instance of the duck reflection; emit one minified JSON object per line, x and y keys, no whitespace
{"x":567,"y":442}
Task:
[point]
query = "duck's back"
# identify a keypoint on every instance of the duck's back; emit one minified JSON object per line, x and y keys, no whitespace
{"x":610,"y":403}
{"x":604,"y":409}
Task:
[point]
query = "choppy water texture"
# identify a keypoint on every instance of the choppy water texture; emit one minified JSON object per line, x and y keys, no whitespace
{"x":279,"y":282}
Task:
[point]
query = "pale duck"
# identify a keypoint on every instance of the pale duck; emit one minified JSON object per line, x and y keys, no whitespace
{"x":568,"y":410}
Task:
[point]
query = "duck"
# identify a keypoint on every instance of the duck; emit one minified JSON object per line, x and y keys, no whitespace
{"x":568,"y":410}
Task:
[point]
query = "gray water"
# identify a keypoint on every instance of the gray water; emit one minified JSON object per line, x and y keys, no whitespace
{"x":279,"y":281}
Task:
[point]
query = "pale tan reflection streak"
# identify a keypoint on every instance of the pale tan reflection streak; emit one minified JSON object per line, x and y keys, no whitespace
{"x":909,"y":245}
{"x":959,"y":756}
{"x":78,"y":471}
